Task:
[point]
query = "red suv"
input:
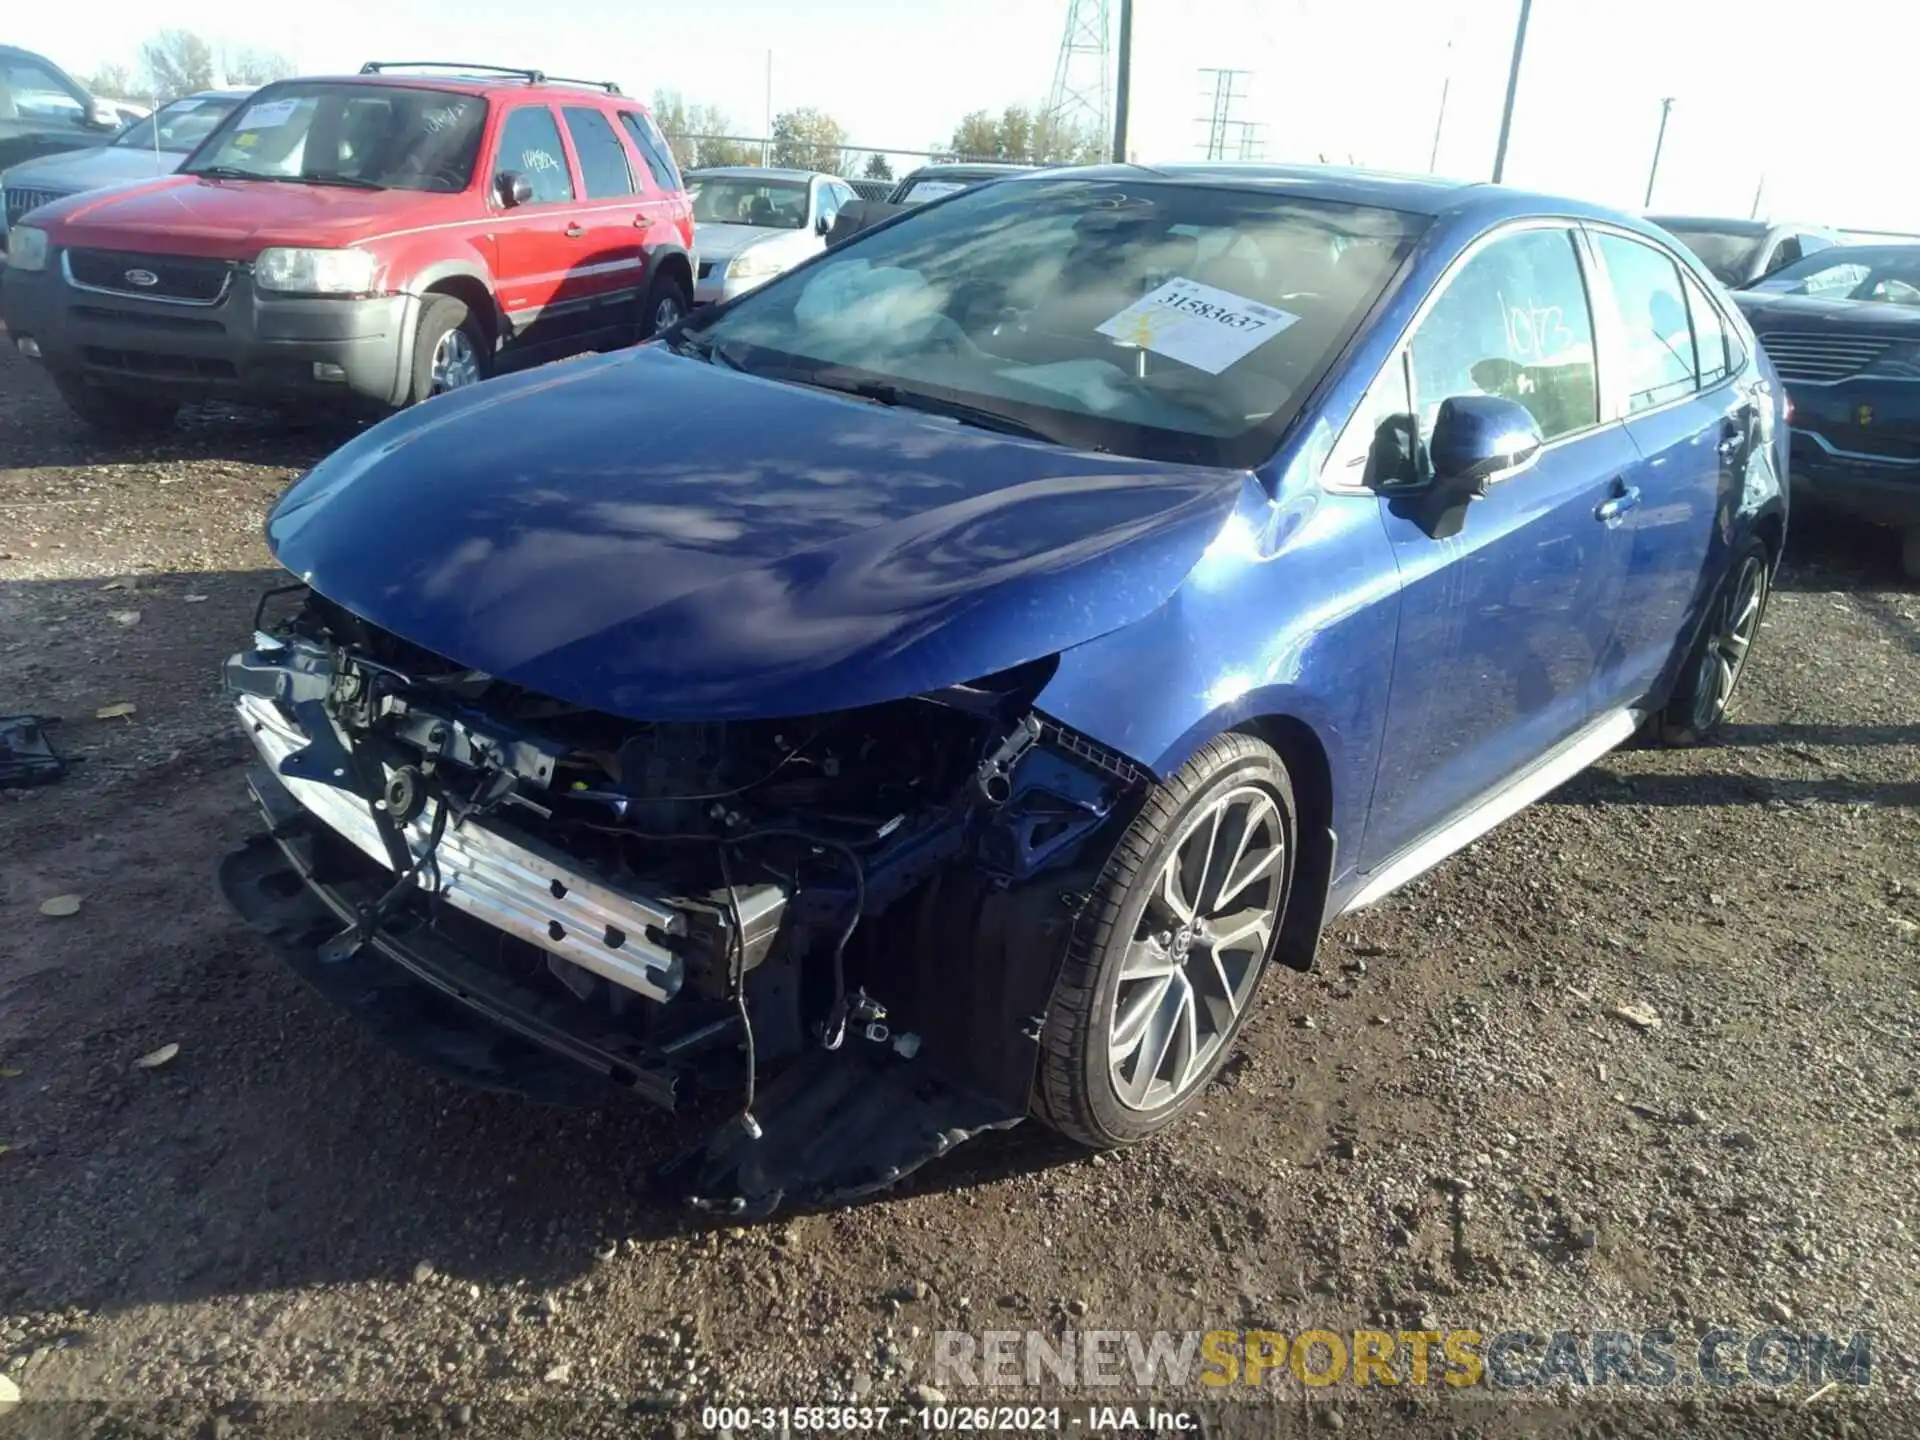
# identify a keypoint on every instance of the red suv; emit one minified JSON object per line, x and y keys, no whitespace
{"x":382,"y":236}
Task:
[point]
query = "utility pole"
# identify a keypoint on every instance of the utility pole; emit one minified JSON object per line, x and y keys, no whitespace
{"x":1666,"y":107}
{"x":1446,"y":84}
{"x":1122,"y":82}
{"x":1513,"y":86}
{"x":1758,"y":191}
{"x":766,"y":146}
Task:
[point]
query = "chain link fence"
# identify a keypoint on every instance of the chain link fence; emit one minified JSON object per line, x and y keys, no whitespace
{"x":870,"y":171}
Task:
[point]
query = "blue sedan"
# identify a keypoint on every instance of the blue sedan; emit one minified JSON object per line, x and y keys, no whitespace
{"x":938,"y":687}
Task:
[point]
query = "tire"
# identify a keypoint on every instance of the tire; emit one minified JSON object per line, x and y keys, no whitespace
{"x":450,"y":349}
{"x":1704,"y":693}
{"x":667,"y":301}
{"x":1096,"y":1085}
{"x":123,"y":414}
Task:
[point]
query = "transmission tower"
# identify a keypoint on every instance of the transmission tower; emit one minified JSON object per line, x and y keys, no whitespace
{"x":1221,"y":125}
{"x":1081,"y":100}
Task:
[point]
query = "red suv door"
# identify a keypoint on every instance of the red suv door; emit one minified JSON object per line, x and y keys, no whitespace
{"x":537,"y":244}
{"x":610,"y":258}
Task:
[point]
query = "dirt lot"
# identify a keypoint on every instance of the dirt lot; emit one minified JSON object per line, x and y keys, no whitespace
{"x":1446,"y":1126}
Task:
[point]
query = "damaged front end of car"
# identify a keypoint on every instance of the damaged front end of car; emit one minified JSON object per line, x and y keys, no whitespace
{"x":851,"y":921}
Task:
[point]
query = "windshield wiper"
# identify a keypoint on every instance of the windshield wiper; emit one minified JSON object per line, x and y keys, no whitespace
{"x":354,"y":182}
{"x":234,"y":172}
{"x":883,"y":393}
{"x":705,"y":347}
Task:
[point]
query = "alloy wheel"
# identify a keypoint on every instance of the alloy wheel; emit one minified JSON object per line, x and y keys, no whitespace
{"x":667,"y":310}
{"x":1728,"y":643}
{"x":456,"y":364}
{"x":1197,"y":951}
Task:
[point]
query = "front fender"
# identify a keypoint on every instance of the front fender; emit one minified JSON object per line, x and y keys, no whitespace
{"x":1293,"y":612}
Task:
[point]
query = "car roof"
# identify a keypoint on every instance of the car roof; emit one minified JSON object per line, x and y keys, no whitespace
{"x":1725,"y":225}
{"x":1414,"y":194}
{"x":211,"y":95}
{"x":964,"y":168}
{"x":763,"y":172}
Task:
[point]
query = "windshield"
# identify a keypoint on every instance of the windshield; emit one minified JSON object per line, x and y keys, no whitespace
{"x":1729,"y":254}
{"x":376,"y":137}
{"x":178,"y":127}
{"x":1154,"y":319}
{"x":743,"y":200}
{"x":1887,"y":273}
{"x":32,"y":91}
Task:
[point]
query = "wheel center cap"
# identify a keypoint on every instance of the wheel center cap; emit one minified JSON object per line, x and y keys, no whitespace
{"x":1183,"y":939}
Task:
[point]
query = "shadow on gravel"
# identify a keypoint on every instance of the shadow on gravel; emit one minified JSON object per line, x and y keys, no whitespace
{"x":1830,"y":552}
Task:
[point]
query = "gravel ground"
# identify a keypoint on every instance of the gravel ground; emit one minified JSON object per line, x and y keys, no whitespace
{"x":1452,"y":1123}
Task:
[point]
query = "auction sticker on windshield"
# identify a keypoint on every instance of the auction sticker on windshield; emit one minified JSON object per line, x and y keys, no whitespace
{"x":269,"y":115}
{"x":1196,"y":324}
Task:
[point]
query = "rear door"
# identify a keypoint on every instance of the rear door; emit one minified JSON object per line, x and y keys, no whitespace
{"x":610,"y":222}
{"x":534,"y":254}
{"x":1503,"y":623}
{"x":1669,"y":372}
{"x":668,"y":213}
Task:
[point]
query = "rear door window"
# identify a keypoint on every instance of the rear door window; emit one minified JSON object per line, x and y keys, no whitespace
{"x":1659,"y":357}
{"x":1712,"y":341}
{"x":604,"y":170}
{"x":530,"y":146}
{"x":653,"y":149}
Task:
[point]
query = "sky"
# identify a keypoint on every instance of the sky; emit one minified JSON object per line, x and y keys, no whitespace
{"x":1798,"y":104}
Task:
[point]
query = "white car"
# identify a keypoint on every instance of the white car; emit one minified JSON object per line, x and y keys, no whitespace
{"x":751,"y":224}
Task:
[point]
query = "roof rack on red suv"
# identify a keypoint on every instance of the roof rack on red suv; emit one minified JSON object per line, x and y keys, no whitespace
{"x":386,"y":236}
{"x":481,"y":72}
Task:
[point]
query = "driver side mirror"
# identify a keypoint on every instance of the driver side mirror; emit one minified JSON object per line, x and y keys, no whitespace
{"x":102,"y":116}
{"x":1476,"y":439}
{"x":513,"y":188}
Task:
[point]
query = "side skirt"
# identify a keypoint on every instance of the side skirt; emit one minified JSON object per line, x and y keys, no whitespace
{"x":1545,"y":775}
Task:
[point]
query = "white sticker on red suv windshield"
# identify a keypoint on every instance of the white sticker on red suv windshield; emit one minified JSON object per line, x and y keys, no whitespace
{"x":268,"y":115}
{"x":1196,"y":324}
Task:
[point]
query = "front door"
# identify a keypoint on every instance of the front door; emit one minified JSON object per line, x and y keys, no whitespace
{"x":1503,"y":622}
{"x":536,"y":244}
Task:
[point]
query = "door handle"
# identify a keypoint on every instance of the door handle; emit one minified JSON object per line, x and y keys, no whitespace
{"x":574,"y":231}
{"x":1623,"y":499}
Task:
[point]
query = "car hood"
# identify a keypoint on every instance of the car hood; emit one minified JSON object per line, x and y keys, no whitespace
{"x":79,"y":170}
{"x":1805,"y":313}
{"x":236,"y":219}
{"x":722,"y":242}
{"x":662,"y":539}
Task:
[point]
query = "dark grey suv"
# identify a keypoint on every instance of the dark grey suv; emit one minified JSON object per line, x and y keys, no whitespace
{"x":44,"y":110}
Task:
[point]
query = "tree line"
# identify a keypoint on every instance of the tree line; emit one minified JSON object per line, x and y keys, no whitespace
{"x":181,"y":62}
{"x":809,"y":139}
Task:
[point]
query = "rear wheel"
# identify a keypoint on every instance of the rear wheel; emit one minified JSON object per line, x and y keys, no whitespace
{"x":1705,"y":691}
{"x":122,"y":413}
{"x":450,"y":350}
{"x":666,"y":304}
{"x":1174,"y":939}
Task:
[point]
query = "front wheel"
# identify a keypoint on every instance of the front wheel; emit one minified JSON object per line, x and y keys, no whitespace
{"x":1168,"y":952}
{"x":450,"y":350}
{"x":1704,"y":693}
